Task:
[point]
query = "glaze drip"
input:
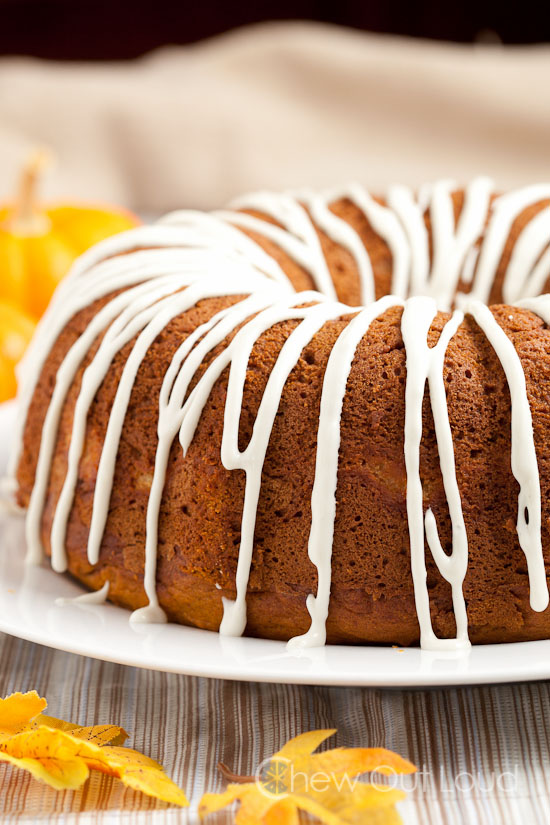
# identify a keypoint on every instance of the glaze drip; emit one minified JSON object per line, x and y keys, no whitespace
{"x":426,"y":364}
{"x":323,"y":497}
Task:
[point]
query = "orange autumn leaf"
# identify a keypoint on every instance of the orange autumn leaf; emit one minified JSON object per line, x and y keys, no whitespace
{"x":62,"y":754}
{"x":323,"y":785}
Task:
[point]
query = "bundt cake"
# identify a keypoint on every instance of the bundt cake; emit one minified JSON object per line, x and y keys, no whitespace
{"x":306,"y":417}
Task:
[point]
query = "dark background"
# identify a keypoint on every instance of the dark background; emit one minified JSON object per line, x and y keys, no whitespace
{"x":120,"y":29}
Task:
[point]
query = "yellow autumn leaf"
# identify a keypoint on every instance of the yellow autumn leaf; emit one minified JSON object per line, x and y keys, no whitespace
{"x":365,"y":804}
{"x":324,"y":785}
{"x":284,"y":812}
{"x":305,"y":743}
{"x":48,"y":755}
{"x":353,"y":761}
{"x":122,"y":755}
{"x":23,"y":711}
{"x":134,"y":769}
{"x":98,"y":734}
{"x":18,"y":710}
{"x":139,"y":772}
{"x":62,"y":754}
{"x":255,"y":805}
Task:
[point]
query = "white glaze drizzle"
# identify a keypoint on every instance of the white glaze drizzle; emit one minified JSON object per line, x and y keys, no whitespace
{"x":470,"y":262}
{"x":172,"y":419}
{"x":340,"y":231}
{"x":388,"y":226}
{"x":524,"y":458}
{"x":504,"y":212}
{"x":63,"y":306}
{"x":251,"y":459}
{"x":323,"y":497}
{"x":197,"y":256}
{"x":539,"y":305}
{"x":525,"y":255}
{"x":298,"y":237}
{"x":227,"y":238}
{"x":130,"y":267}
{"x":141,"y":313}
{"x":175,"y":305}
{"x":409,"y":211}
{"x":64,"y":379}
{"x":93,"y":597}
{"x":539,"y":276}
{"x":172,"y":409}
{"x":426,"y":364}
{"x":451,"y":244}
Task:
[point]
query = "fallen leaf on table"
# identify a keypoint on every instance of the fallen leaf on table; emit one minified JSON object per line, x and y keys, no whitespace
{"x":98,"y":734}
{"x":140,"y":773}
{"x":48,"y":755}
{"x":62,"y":754}
{"x":323,"y":785}
{"x":17,"y":711}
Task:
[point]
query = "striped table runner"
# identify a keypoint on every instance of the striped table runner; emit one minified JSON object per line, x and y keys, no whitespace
{"x":483,"y":753}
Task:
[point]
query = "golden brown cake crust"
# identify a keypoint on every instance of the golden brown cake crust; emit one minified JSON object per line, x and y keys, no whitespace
{"x":372,"y":596}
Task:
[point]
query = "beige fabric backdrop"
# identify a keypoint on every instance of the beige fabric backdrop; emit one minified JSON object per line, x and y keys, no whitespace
{"x":279,"y":105}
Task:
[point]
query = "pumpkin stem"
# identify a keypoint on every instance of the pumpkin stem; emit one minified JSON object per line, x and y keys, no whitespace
{"x":27,"y":219}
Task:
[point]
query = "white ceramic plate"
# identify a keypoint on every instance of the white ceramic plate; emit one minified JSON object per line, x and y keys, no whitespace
{"x":28,"y":610}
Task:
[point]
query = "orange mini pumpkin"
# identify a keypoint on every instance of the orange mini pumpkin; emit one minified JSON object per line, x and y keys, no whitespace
{"x":16,"y":330}
{"x":38,"y":244}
